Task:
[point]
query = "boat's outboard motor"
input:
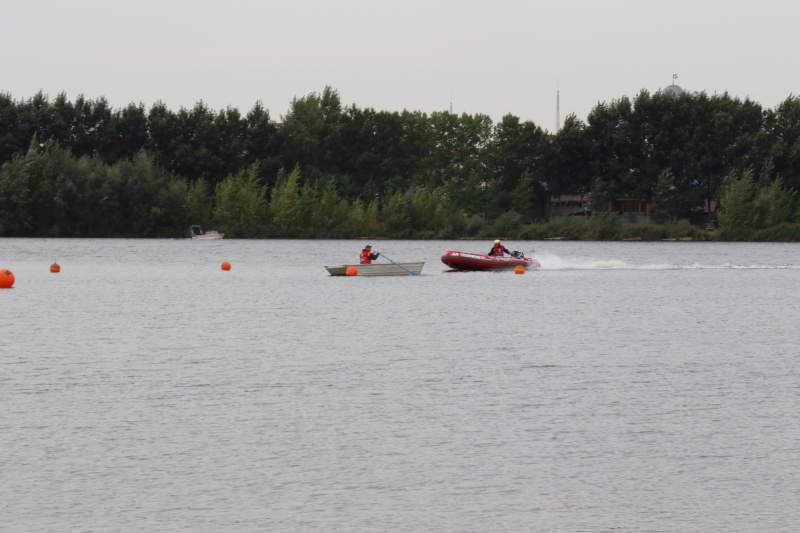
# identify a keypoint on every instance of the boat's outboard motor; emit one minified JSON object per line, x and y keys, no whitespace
{"x":517,"y":255}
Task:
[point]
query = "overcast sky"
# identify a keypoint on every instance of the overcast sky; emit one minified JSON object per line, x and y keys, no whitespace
{"x":494,"y":58}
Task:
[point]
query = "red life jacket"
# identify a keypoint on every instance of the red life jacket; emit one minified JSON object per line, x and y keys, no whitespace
{"x":497,"y":250}
{"x":366,"y":257}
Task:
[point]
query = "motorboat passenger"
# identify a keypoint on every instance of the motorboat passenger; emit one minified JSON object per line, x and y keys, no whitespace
{"x":498,"y":249}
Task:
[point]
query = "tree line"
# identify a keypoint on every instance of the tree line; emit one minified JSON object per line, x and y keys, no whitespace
{"x":325,"y":169}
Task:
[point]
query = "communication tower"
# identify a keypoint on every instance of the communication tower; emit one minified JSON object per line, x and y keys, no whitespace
{"x":558,"y":110}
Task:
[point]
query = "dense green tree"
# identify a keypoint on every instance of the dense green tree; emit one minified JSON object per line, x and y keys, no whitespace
{"x":330,"y":209}
{"x":140,"y":181}
{"x":363,"y":218}
{"x":92,"y":117}
{"x":460,"y":162}
{"x":240,"y":201}
{"x":83,"y":168}
{"x":197,"y":151}
{"x":459,"y":148}
{"x":396,"y":215}
{"x":48,"y":169}
{"x":418,"y":211}
{"x":667,"y":203}
{"x":517,"y":159}
{"x":779,"y":140}
{"x":570,"y":160}
{"x":599,"y":197}
{"x":362,"y":138}
{"x":507,"y":223}
{"x":773,"y":204}
{"x":198,"y":203}
{"x":700,"y":138}
{"x":260,"y":143}
{"x":611,"y":133}
{"x":125,"y":135}
{"x":164,"y":137}
{"x":529,"y":199}
{"x":427,"y":208}
{"x":10,"y":138}
{"x":300,"y":134}
{"x":284,"y":202}
{"x":333,"y":151}
{"x":85,"y":210}
{"x":15,"y":194}
{"x":516,"y":149}
{"x":382,"y":152}
{"x":736,"y":202}
{"x":33,"y":118}
{"x":169,"y":212}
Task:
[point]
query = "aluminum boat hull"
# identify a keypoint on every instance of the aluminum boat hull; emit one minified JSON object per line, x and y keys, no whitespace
{"x":379,"y":269}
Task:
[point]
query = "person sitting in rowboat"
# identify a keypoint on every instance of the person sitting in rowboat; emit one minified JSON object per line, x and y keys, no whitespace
{"x":367,"y":256}
{"x":498,"y":249}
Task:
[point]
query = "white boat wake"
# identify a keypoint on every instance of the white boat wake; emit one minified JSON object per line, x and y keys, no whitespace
{"x":554,"y":262}
{"x":740,"y":267}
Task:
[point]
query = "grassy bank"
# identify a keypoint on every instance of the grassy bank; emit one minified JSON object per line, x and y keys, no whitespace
{"x":600,"y":228}
{"x":612,"y":229}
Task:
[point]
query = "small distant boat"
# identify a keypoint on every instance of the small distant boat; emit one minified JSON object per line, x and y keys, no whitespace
{"x":379,"y":269}
{"x":468,"y":261}
{"x":197,"y":233}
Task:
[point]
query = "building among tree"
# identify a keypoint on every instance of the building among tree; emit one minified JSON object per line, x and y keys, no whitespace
{"x":569,"y":205}
{"x":630,"y":209}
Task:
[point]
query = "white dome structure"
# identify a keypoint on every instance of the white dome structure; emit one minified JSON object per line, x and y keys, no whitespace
{"x":673,"y":90}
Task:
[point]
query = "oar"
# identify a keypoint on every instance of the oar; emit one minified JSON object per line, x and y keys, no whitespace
{"x":401,"y":266}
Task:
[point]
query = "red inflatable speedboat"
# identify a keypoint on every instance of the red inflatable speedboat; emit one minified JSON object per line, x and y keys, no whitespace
{"x":467,"y":261}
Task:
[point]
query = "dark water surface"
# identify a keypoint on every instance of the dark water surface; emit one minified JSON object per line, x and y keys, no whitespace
{"x":622,"y":387}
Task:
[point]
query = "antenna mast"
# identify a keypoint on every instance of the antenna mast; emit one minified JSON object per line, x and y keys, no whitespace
{"x":558,"y":110}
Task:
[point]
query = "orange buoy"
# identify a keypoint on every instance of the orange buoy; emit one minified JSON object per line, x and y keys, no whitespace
{"x":351,"y":271}
{"x":55,"y":268}
{"x":6,"y":279}
{"x":226,"y":266}
{"x":519,"y":269}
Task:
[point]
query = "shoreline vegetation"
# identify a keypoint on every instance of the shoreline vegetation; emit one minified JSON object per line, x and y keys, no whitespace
{"x":556,"y":230}
{"x":651,"y":232}
{"x":564,"y":229}
{"x":681,"y":163}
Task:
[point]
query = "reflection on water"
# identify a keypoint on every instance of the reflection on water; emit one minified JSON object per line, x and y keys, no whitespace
{"x":623,"y":386}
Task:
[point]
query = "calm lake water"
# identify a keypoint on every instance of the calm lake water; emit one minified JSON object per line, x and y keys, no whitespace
{"x":625,"y":387}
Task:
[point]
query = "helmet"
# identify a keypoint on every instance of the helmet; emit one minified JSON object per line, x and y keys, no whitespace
{"x":368,"y":246}
{"x":497,"y":241}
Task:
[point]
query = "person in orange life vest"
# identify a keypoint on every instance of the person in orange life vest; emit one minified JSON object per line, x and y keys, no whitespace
{"x":498,"y":249}
{"x":367,"y":256}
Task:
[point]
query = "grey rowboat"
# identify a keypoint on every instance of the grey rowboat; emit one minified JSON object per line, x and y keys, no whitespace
{"x":379,"y":269}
